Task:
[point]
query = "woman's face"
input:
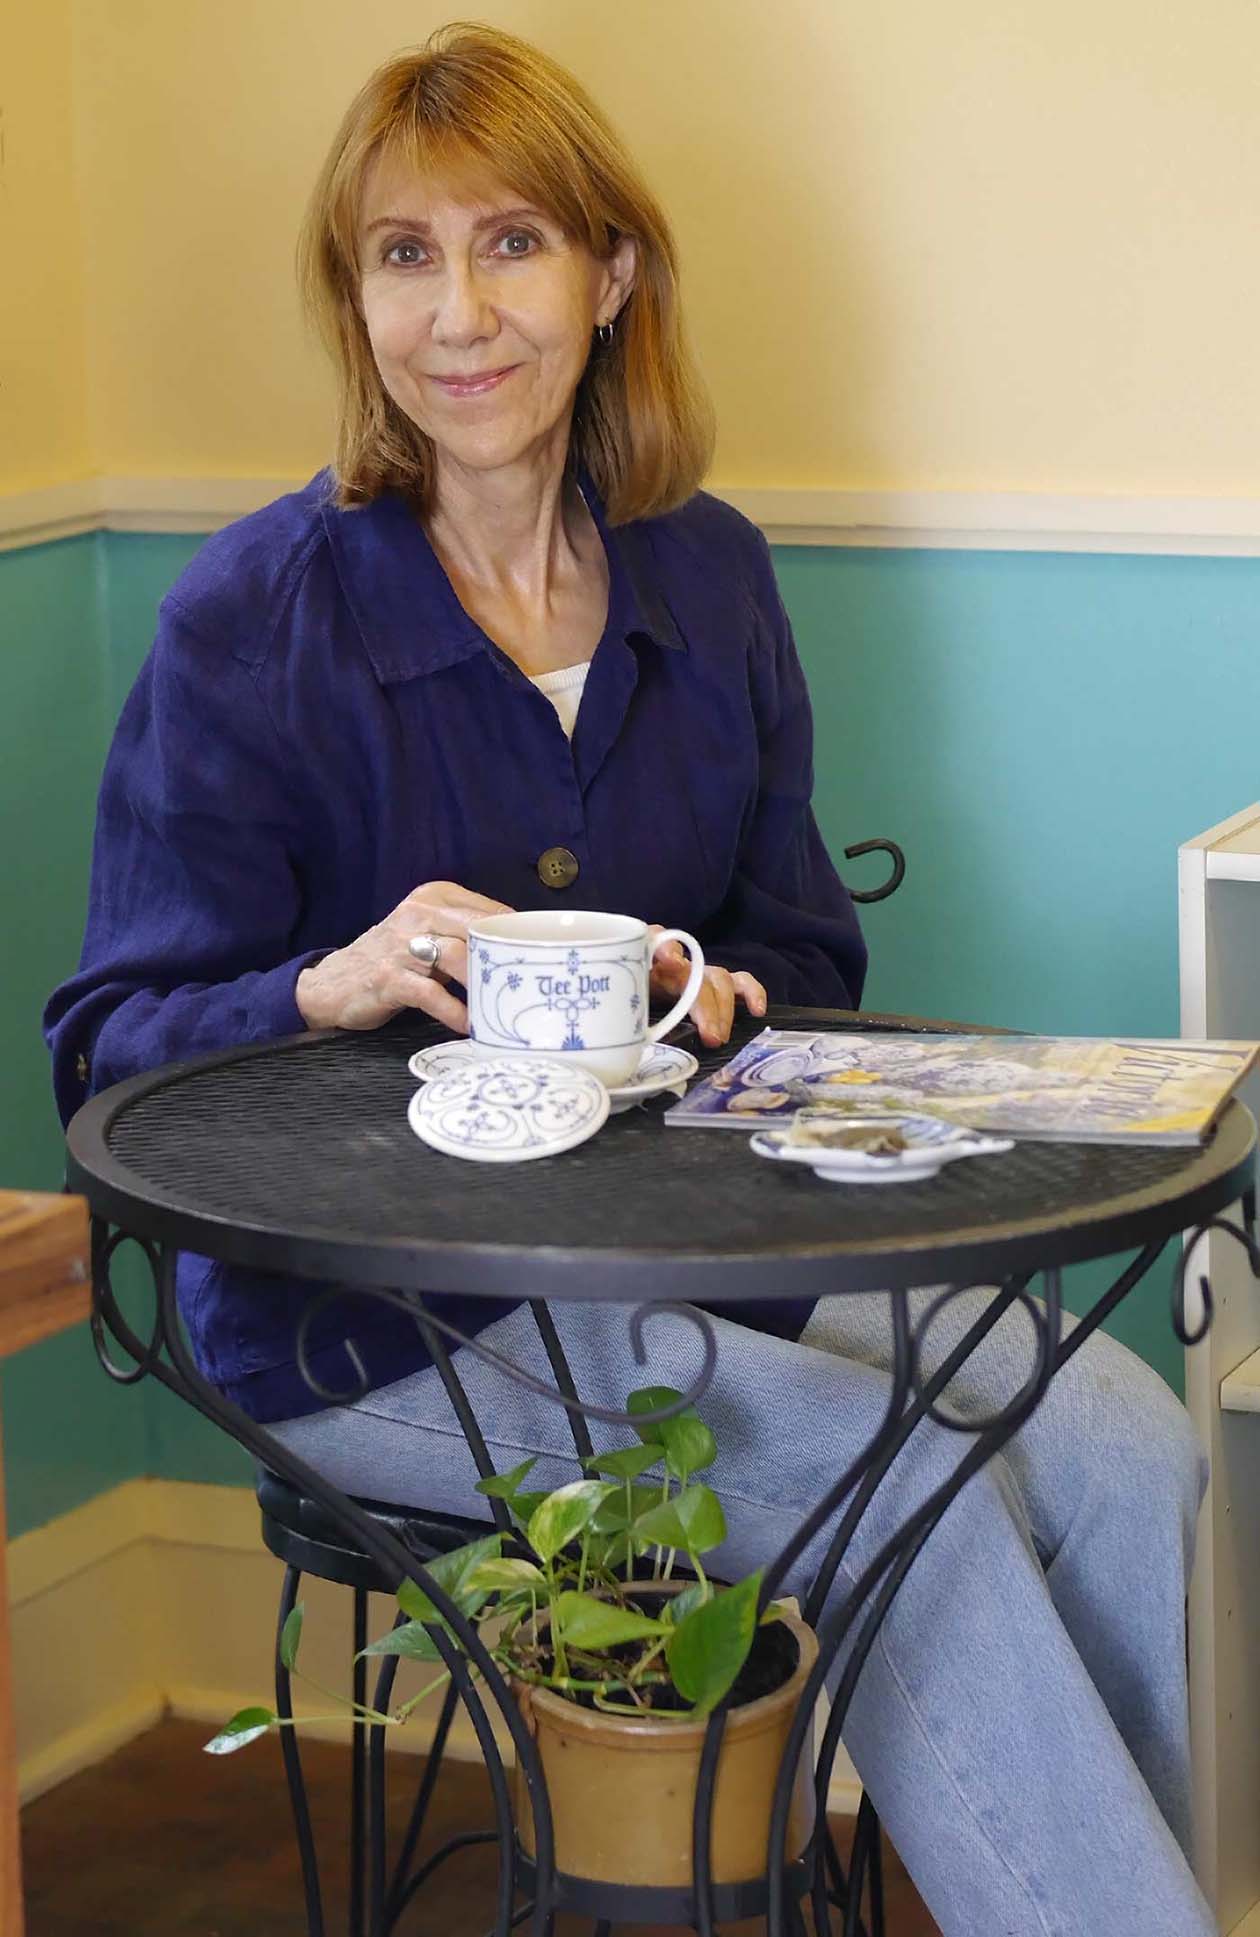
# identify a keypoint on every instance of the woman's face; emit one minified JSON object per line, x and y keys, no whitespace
{"x":480,"y":312}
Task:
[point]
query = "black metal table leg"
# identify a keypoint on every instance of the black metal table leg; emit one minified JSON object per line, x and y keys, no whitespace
{"x":292,"y":1758}
{"x":358,"y":1766}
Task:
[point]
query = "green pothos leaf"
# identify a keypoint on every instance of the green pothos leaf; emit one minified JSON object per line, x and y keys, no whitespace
{"x":245,"y":1726}
{"x":290,"y":1635}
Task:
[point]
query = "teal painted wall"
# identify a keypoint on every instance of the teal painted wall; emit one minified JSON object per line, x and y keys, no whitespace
{"x":68,"y":1433}
{"x":76,"y":619}
{"x":181,"y":1445}
{"x":1039,"y":731}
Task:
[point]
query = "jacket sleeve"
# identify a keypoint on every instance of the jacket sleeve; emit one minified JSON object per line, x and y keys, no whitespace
{"x":195,"y":892}
{"x":787,"y":917}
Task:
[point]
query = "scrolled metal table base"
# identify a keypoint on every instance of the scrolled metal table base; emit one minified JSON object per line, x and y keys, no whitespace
{"x":844,"y":1903}
{"x":1245,"y":1234}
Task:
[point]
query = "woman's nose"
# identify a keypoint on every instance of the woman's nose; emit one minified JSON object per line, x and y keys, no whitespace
{"x":463,"y":313}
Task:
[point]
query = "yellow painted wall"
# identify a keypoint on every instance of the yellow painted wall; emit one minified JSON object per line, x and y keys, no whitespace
{"x":43,"y":426}
{"x":992,"y":244}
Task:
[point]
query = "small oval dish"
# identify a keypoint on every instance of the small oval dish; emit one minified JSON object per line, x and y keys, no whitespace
{"x":663,"y":1070}
{"x":502,"y":1110}
{"x":930,"y":1145}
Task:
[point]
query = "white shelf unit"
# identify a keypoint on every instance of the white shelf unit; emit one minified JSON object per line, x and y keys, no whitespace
{"x":1219,"y":925}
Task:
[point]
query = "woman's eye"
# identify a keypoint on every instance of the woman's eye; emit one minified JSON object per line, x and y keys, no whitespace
{"x":517,"y":242}
{"x":404,"y":255}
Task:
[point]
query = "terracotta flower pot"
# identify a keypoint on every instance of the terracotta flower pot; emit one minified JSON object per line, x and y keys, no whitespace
{"x":622,"y":1791}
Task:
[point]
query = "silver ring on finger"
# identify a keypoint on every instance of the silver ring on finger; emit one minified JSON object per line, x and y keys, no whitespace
{"x":427,"y":950}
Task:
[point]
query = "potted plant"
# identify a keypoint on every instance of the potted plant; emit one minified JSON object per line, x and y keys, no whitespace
{"x":618,"y":1647}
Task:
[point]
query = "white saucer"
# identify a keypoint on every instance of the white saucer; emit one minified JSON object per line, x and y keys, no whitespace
{"x":933,"y":1144}
{"x":502,"y":1110}
{"x":662,"y":1069}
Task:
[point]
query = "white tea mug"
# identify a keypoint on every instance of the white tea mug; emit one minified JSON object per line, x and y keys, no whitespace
{"x":566,"y":983}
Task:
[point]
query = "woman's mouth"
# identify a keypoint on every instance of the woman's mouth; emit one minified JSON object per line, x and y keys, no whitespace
{"x":475,"y":384}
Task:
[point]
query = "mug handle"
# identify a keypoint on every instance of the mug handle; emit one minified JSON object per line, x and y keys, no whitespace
{"x":694,"y":980}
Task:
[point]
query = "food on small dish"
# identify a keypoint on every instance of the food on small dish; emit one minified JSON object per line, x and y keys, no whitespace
{"x":876,"y":1139}
{"x":878,"y":1150}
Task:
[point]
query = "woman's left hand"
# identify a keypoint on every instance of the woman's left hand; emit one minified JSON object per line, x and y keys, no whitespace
{"x":713,"y":1010}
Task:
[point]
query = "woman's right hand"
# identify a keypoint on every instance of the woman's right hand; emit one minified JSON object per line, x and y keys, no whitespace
{"x":371,"y":979}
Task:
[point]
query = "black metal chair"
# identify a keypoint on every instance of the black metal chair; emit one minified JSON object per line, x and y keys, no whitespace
{"x":299,"y":1532}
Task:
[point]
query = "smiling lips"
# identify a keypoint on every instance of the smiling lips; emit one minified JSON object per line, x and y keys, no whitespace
{"x":473,"y":386}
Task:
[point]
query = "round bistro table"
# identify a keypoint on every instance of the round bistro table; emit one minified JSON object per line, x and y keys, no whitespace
{"x":296,"y":1157}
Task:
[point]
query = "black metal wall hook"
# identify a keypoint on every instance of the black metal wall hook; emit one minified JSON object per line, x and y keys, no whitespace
{"x":895,"y":879}
{"x":425,"y":1316}
{"x":1245,"y":1233}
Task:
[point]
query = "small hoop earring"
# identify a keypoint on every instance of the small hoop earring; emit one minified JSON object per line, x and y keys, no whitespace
{"x":604,"y":331}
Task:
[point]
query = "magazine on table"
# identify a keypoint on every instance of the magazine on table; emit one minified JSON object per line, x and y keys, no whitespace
{"x":1080,"y":1089}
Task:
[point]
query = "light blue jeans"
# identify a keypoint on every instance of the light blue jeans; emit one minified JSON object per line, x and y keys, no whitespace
{"x":1021,"y":1722}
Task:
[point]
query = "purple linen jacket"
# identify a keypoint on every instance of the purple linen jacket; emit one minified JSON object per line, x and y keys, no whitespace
{"x":320,"y":727}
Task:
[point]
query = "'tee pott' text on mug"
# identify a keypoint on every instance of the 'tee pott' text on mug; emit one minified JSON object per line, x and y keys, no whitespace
{"x":565,"y":983}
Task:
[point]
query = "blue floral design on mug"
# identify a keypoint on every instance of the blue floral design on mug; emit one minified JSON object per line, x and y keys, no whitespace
{"x":520,"y":996}
{"x":571,"y":983}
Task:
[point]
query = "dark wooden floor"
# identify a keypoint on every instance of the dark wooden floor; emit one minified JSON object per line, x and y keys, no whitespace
{"x":164,"y":1839}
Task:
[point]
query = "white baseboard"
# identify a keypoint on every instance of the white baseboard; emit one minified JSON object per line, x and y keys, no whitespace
{"x":92,"y":1741}
{"x":183,"y":1599}
{"x":910,"y":520}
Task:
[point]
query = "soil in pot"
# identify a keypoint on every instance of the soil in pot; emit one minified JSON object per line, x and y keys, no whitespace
{"x":772,"y":1660}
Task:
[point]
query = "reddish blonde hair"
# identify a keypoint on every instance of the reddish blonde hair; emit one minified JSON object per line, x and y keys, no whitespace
{"x":483,"y":101}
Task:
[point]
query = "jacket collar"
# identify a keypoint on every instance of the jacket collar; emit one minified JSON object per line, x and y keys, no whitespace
{"x":405,"y":606}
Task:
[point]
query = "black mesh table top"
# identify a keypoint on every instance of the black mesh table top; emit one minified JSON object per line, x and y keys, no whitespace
{"x":296,"y":1156}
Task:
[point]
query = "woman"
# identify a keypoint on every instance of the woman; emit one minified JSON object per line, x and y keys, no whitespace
{"x":507,"y":650}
